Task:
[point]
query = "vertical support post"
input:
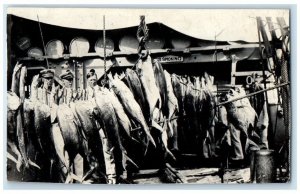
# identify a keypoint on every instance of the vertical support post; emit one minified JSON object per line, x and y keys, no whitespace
{"x":75,"y":83}
{"x":233,"y":69}
{"x":286,"y":97}
{"x":104,"y":47}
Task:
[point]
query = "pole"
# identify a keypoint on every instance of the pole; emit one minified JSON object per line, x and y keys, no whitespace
{"x":252,"y":94}
{"x":104,"y":47}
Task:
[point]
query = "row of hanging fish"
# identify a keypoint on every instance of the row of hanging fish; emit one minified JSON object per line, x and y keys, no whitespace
{"x":145,"y":106}
{"x":62,"y":131}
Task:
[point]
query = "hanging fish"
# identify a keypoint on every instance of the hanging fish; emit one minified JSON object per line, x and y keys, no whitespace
{"x":134,"y":84}
{"x":161,"y":84}
{"x":146,"y":75}
{"x":131,"y":107}
{"x":173,"y":108}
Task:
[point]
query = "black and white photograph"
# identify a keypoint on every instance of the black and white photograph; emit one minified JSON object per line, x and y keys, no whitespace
{"x":148,"y":96}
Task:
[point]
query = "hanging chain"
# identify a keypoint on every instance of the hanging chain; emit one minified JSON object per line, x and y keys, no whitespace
{"x":104,"y":48}
{"x":43,"y":40}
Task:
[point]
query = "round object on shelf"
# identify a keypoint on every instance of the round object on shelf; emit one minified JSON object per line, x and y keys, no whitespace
{"x":24,"y":43}
{"x":79,"y":46}
{"x":129,"y":43}
{"x":55,"y":48}
{"x":99,"y":47}
{"x":180,"y":42}
{"x":35,"y":52}
{"x":205,"y":43}
{"x":155,"y":42}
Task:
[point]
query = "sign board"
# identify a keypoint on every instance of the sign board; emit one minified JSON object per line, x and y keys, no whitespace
{"x":170,"y":59}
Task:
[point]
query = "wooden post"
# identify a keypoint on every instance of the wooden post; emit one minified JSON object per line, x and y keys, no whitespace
{"x":233,"y":69}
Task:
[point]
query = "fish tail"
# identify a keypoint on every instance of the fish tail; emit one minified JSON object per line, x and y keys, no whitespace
{"x":41,"y":146}
{"x":68,"y":179}
{"x":170,"y":128}
{"x":156,"y":126}
{"x":170,"y":154}
{"x":130,"y":160}
{"x":34,"y":164}
{"x":51,"y":166}
{"x":134,"y":139}
{"x":88,"y":174}
{"x":147,"y":145}
{"x":151,"y":139}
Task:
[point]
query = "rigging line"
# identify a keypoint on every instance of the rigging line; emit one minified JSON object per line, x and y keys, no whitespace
{"x":43,"y":40}
{"x":266,"y":21}
{"x":254,"y":93}
{"x":104,"y":48}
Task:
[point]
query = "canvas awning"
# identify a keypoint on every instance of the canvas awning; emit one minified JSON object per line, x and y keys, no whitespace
{"x":208,"y":24}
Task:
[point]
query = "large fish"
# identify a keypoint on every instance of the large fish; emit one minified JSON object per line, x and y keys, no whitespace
{"x":62,"y":154}
{"x":69,"y":129}
{"x":209,"y":80}
{"x":108,"y":120}
{"x":134,"y":84}
{"x":130,"y":105}
{"x":22,"y":82}
{"x":72,"y":142}
{"x":16,"y":122}
{"x":16,"y":79}
{"x":122,"y":117}
{"x":85,"y":113}
{"x":146,"y":74}
{"x":179,"y":90}
{"x":40,"y":129}
{"x":34,"y":88}
{"x":13,"y":104}
{"x":173,"y":108}
{"x":191,"y":98}
{"x":208,"y":116}
{"x":161,"y":84}
{"x":28,"y":107}
{"x":193,"y":109}
{"x":20,"y":117}
{"x":42,"y":124}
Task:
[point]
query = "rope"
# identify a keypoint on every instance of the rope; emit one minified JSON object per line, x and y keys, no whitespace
{"x":286,"y":107}
{"x":104,"y":48}
{"x":142,"y":28}
{"x":142,"y":33}
{"x":43,"y":40}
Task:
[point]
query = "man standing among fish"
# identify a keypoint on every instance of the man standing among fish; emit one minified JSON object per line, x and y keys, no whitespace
{"x":91,"y":82}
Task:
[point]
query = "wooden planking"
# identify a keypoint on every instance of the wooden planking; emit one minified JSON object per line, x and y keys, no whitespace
{"x":196,"y":176}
